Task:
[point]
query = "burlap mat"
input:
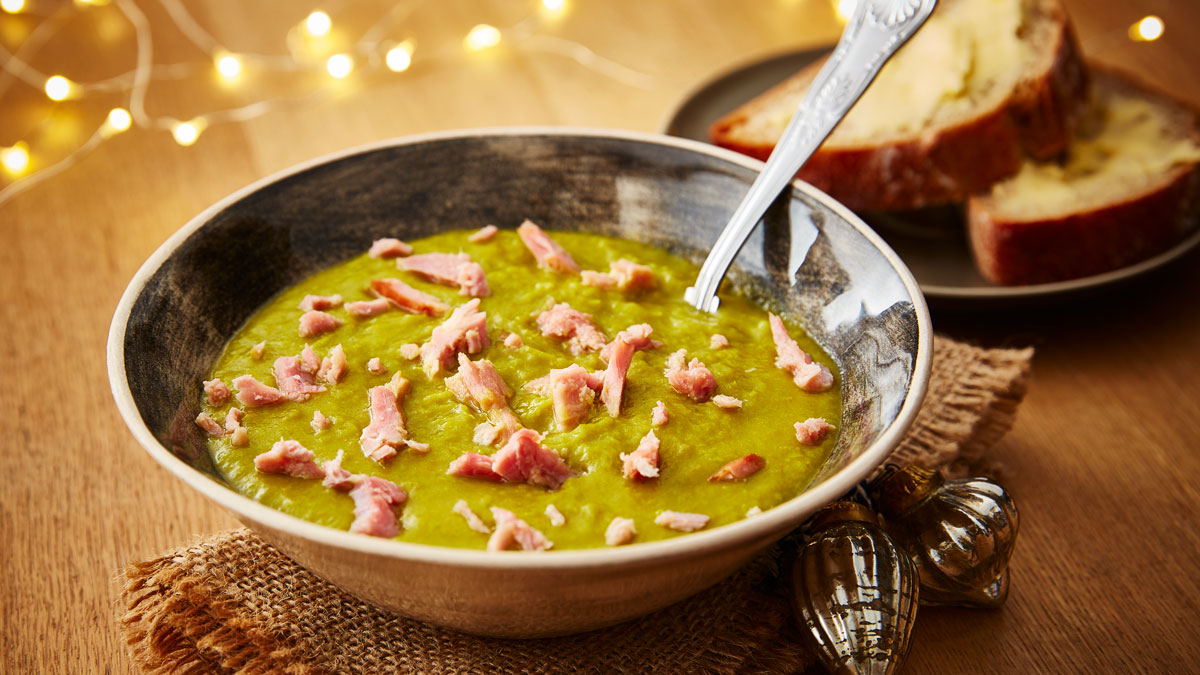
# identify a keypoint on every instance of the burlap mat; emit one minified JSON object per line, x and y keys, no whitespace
{"x":233,"y":604}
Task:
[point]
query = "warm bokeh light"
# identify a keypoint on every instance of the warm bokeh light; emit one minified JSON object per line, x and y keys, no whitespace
{"x":229,"y":65}
{"x":399,"y":58}
{"x":15,"y":159}
{"x":482,"y":37}
{"x":119,"y":119}
{"x":186,"y":133}
{"x":844,"y":9}
{"x":91,"y":3}
{"x":554,"y":5}
{"x":1147,"y":29}
{"x":339,"y":65}
{"x":318,"y":23}
{"x":12,"y":6}
{"x":59,"y":88}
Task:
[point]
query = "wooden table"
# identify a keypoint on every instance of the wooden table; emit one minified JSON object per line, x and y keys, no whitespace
{"x":1102,"y":459}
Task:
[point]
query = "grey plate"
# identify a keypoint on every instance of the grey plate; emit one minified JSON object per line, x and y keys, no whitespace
{"x":932,"y":242}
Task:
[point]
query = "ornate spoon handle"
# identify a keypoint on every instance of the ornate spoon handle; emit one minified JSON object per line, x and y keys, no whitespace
{"x":877,"y":29}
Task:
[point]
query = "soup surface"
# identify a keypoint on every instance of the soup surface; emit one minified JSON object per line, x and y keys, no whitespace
{"x":697,"y":440}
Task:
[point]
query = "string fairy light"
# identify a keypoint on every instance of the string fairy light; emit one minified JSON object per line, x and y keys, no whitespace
{"x":399,"y":58}
{"x":15,"y":158}
{"x":12,"y":6}
{"x":481,"y":37}
{"x":1147,"y":29}
{"x":318,"y":24}
{"x":339,"y":65}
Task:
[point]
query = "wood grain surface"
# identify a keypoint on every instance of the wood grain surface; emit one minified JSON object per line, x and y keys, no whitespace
{"x":1103,"y":459}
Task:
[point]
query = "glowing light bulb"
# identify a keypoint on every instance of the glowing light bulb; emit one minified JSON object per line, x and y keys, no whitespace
{"x":482,"y":37}
{"x":318,"y":23}
{"x":59,"y":88}
{"x":12,"y":6}
{"x":399,"y":58}
{"x":186,"y":133}
{"x":1147,"y":29}
{"x":16,"y":158}
{"x":554,"y":5}
{"x":339,"y":65}
{"x":228,"y":65}
{"x":119,"y":119}
{"x":845,"y":9}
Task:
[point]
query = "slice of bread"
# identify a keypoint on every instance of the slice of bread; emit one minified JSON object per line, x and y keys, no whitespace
{"x":982,"y":84}
{"x":1127,"y":189}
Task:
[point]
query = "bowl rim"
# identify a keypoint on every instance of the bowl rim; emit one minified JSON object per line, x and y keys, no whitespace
{"x":781,"y":517}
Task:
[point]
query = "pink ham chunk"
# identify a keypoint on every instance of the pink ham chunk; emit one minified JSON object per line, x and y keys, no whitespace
{"x":623,"y":275}
{"x":692,"y":379}
{"x":410,"y":351}
{"x":389,"y":247}
{"x":512,"y":530}
{"x":524,"y":460}
{"x":217,"y":392}
{"x":809,"y":376}
{"x":541,"y":385}
{"x":485,"y":233}
{"x":289,"y":458}
{"x":311,"y":302}
{"x":620,"y":531}
{"x":365,"y":308}
{"x":547,"y":251}
{"x":408,"y":298}
{"x":209,"y":425}
{"x":239,"y":437}
{"x":384,"y":436}
{"x":727,"y":402}
{"x":257,"y":351}
{"x":294,"y":381}
{"x":462,"y":508}
{"x":473,"y":465}
{"x":513,"y":341}
{"x":316,"y":323}
{"x":571,"y":395}
{"x":376,"y":366}
{"x":812,"y":430}
{"x":479,"y":385}
{"x":333,"y":366}
{"x":320,"y":422}
{"x":614,"y":377}
{"x":375,"y":502}
{"x":642,"y":464}
{"x":638,"y":336}
{"x":578,"y":329}
{"x":233,"y":419}
{"x":718,"y":341}
{"x":742,"y":467}
{"x":659,"y":416}
{"x":682,"y":522}
{"x":449,"y":269}
{"x":465,"y":330}
{"x":309,"y":360}
{"x":251,"y":392}
{"x":335,"y":476}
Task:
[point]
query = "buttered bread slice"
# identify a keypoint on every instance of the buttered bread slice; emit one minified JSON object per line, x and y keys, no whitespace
{"x":1127,"y":189}
{"x":984,"y":83}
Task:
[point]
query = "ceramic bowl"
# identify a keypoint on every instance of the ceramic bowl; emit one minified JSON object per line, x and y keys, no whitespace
{"x":850,"y":291}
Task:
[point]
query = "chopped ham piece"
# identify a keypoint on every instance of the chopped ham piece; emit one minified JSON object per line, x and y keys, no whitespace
{"x":577,"y":328}
{"x":541,"y":385}
{"x":311,"y":302}
{"x":620,"y":531}
{"x":389,"y":248}
{"x":309,"y":360}
{"x":812,"y":430}
{"x":485,"y":434}
{"x":209,"y":425}
{"x":614,"y":377}
{"x":465,"y":330}
{"x":742,"y":467}
{"x":365,"y":308}
{"x":319,"y":421}
{"x":408,"y":298}
{"x":512,"y":341}
{"x":683,"y":522}
{"x":556,"y":517}
{"x":416,"y":446}
{"x":294,"y":382}
{"x":410,"y":351}
{"x":727,"y":402}
{"x":693,"y":380}
{"x":376,"y":366}
{"x":289,"y":458}
{"x":316,"y":323}
{"x":638,"y":336}
{"x":809,"y":376}
{"x":462,"y":508}
{"x":623,"y":275}
{"x":335,"y":476}
{"x":473,"y":465}
{"x":548,"y":253}
{"x":571,"y":395}
{"x":512,"y":530}
{"x":524,"y":460}
{"x":659,"y":416}
{"x":642,"y":464}
{"x":257,"y":351}
{"x":718,"y":341}
{"x":375,"y":500}
{"x":251,"y":392}
{"x":239,"y":437}
{"x":233,"y":419}
{"x":479,"y":385}
{"x":217,"y":392}
{"x":449,"y":269}
{"x":386,"y":433}
{"x":333,"y":367}
{"x":485,"y":233}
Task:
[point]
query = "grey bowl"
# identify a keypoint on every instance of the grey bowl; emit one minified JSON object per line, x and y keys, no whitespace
{"x":852,"y":294}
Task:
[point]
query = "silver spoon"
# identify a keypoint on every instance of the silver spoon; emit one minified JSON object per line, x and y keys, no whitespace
{"x":877,"y":29}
